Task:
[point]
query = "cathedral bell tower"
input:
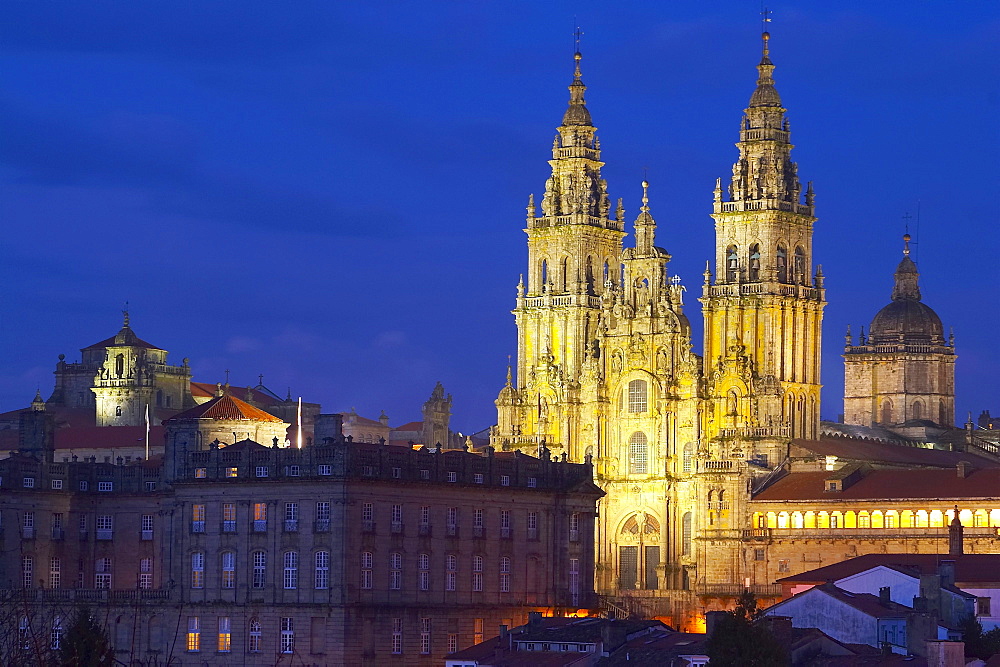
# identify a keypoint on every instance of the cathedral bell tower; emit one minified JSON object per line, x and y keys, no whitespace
{"x":764,"y":309}
{"x":573,"y":251}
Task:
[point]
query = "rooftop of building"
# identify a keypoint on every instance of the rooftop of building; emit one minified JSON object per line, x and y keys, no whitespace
{"x":226,"y":408}
{"x":969,"y":568}
{"x":887,"y":485}
{"x":887,"y":453}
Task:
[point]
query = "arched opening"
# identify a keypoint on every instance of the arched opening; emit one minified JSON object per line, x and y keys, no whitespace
{"x":782,"y":264}
{"x":732,"y":403}
{"x":782,"y":519}
{"x":686,"y":533}
{"x":753,"y":265}
{"x":917,"y":411}
{"x":800,"y":265}
{"x":687,"y":457}
{"x":637,"y":452}
{"x":564,"y":273}
{"x":543,"y":274}
{"x":607,"y":273}
{"x":637,"y":396}
{"x":120,"y":365}
{"x":886,"y":411}
{"x":589,"y":276}
{"x":891,"y":519}
{"x":797,"y":521}
{"x":732,"y":264}
{"x":864,"y":519}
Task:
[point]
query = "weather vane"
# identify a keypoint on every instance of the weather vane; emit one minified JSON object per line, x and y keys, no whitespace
{"x":765,"y":17}
{"x":577,"y":34}
{"x":906,"y":218}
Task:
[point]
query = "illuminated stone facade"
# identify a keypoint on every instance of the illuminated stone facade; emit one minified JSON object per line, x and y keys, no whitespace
{"x":606,"y":369}
{"x":903,"y":370}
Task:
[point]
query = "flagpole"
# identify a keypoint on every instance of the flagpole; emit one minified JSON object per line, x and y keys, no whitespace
{"x":147,"y":431}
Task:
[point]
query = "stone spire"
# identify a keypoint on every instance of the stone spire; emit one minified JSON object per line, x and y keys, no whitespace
{"x":576,"y":186}
{"x":906,"y":287}
{"x":645,"y":226}
{"x":765,"y":171}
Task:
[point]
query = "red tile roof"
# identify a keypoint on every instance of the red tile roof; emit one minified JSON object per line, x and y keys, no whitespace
{"x":969,"y":568}
{"x":410,"y":426}
{"x":888,"y":484}
{"x":883,"y":452}
{"x":107,"y":437}
{"x":207,"y":389}
{"x":124,"y":337}
{"x":226,"y":407}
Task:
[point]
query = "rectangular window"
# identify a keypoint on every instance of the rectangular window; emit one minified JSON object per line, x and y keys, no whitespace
{"x":397,"y":636}
{"x":425,"y":515}
{"x":532,"y":482}
{"x":146,"y":573}
{"x":291,"y":517}
{"x":293,"y":471}
{"x":452,"y":476}
{"x":57,"y":484}
{"x":367,"y":517}
{"x":197,"y":518}
{"x":424,"y":575}
{"x":322,"y":579}
{"x":477,"y":631}
{"x":637,"y":396}
{"x":84,"y":485}
{"x":225,"y":635}
{"x":425,"y":636}
{"x":229,"y":517}
{"x":260,"y":517}
{"x":228,"y":562}
{"x":287,"y":635}
{"x":452,"y":521}
{"x":451,"y":571}
{"x":259,"y":560}
{"x":504,"y":480}
{"x":366,"y":570}
{"x":783,"y":565}
{"x":983,"y":606}
{"x":146,"y":527}
{"x":260,"y":471}
{"x":574,"y":527}
{"x":291,"y":570}
{"x":150,"y":486}
{"x":397,"y":519}
{"x":105,"y":486}
{"x":477,"y":573}
{"x":425,"y":473}
{"x":478,"y":478}
{"x":253,"y":645}
{"x":55,"y":637}
{"x":395,"y":571}
{"x":105,"y":526}
{"x":29,"y":482}
{"x":232,"y":472}
{"x":505,"y":529}
{"x":193,"y":634}
{"x":452,"y":642}
{"x":397,"y":473}
{"x":55,"y":572}
{"x":758,"y":554}
{"x":505,"y":574}
{"x":102,"y":579}
{"x":198,"y":570}
{"x":325,"y":470}
{"x":200,"y":473}
{"x":28,"y":571}
{"x":574,"y":580}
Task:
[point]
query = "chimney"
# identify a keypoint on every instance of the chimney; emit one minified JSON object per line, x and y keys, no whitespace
{"x":534,"y":619}
{"x":946,"y":570}
{"x":884,"y":595}
{"x":941,"y":653}
{"x":712,"y":618}
{"x":963,"y":469}
{"x":503,"y":632}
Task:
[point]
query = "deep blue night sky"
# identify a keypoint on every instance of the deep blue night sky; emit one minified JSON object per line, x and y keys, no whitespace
{"x":332,"y":194}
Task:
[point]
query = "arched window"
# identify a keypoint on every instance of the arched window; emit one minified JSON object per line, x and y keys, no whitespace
{"x":886,"y":411}
{"x":943,"y":418}
{"x":321,"y":579}
{"x":564,"y":273}
{"x":733,"y":403}
{"x":253,"y":643}
{"x":686,"y":534}
{"x":544,"y":273}
{"x":753,"y":266}
{"x":118,"y":411}
{"x":918,"y":410}
{"x":782,"y":261}
{"x":590,"y":275}
{"x":800,"y":265}
{"x":732,"y":264}
{"x":120,"y":365}
{"x":607,"y":273}
{"x":637,"y":453}
{"x":637,"y":396}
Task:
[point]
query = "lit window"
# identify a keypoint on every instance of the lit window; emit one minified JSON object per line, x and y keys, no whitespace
{"x":322,"y":579}
{"x":197,"y":518}
{"x":637,"y":399}
{"x":232,"y":472}
{"x":291,"y":572}
{"x":228,"y":559}
{"x":193,"y":634}
{"x":198,"y":570}
{"x":105,"y":486}
{"x":260,"y":517}
{"x":225,"y":634}
{"x":55,"y":637}
{"x":200,"y":473}
{"x":287,"y":635}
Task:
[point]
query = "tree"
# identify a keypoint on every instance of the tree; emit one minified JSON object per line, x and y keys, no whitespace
{"x":978,"y":643}
{"x":739,"y":640}
{"x":86,"y":644}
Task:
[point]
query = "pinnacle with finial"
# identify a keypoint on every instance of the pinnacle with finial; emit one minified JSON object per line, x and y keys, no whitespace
{"x":645,"y":197}
{"x":125,"y":316}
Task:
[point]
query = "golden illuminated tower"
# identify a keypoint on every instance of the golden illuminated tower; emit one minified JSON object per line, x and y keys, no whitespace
{"x":764,"y":311}
{"x":573,"y":249}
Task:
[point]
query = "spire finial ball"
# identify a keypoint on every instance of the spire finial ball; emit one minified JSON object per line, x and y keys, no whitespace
{"x":906,"y":237}
{"x":765,"y":36}
{"x":645,"y":184}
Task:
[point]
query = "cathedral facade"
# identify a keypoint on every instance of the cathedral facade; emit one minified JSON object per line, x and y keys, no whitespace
{"x":606,"y":367}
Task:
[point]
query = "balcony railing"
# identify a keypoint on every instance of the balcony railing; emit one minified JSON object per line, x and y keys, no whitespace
{"x":260,"y":525}
{"x":505,"y":533}
{"x":147,"y":535}
{"x":396,"y":527}
{"x":532,"y":533}
{"x":735,"y":590}
{"x":58,"y":533}
{"x":28,"y":532}
{"x":229,"y":526}
{"x":477,"y":531}
{"x":451,"y":530}
{"x":197,"y":526}
{"x":574,"y":535}
{"x":291,"y":525}
{"x":321,"y":526}
{"x":105,"y":534}
{"x":425,"y":529}
{"x":368,"y":526}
